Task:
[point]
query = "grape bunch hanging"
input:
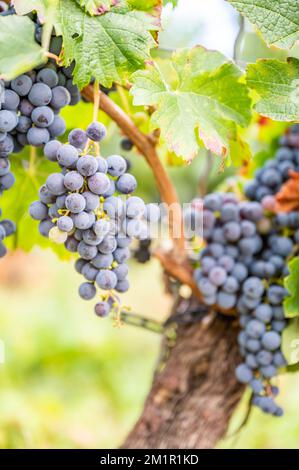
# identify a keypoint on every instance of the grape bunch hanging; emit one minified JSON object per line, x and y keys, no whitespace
{"x":89,"y":207}
{"x":248,"y":247}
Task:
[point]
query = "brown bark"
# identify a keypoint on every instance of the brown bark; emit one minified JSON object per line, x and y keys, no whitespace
{"x":194,"y":396}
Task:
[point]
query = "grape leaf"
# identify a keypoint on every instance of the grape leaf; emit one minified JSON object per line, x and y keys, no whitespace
{"x":278,"y":20}
{"x":23,"y":53}
{"x":198,"y":94}
{"x":276,"y":84}
{"x":291,"y":283}
{"x":16,"y":201}
{"x":108,"y":47}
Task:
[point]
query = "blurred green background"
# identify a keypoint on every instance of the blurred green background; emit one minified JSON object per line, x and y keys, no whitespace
{"x":72,"y":380}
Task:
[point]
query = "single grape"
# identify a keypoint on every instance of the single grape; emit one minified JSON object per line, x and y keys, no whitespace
{"x":37,"y":136}
{"x":98,"y":183}
{"x":122,"y":286}
{"x":50,"y":150}
{"x":57,"y":127}
{"x":42,"y":116}
{"x":96,"y":131}
{"x":244,"y":374}
{"x":217,"y":276}
{"x":60,"y":97}
{"x":87,"y":291}
{"x":40,"y":94}
{"x":78,"y":138}
{"x":65,"y":223}
{"x":67,"y":155}
{"x":102,"y":309}
{"x":271,"y":340}
{"x":116,"y":165}
{"x":106,"y":279}
{"x":75,"y":202}
{"x":38,"y":210}
{"x":126,"y":184}
{"x":21,"y":85}
{"x":8,"y":121}
{"x":48,"y":77}
{"x":87,"y":165}
{"x":73,"y":181}
{"x":55,"y":184}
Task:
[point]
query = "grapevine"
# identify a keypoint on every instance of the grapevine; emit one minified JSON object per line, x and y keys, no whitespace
{"x":229,"y":259}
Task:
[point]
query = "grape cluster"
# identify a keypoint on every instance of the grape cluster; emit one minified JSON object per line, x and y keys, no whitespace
{"x":29,"y":113}
{"x":30,"y":105}
{"x":244,"y":263}
{"x":260,"y":341}
{"x":89,"y":207}
{"x":241,"y":267}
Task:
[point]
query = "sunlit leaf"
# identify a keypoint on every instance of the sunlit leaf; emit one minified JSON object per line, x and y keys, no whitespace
{"x":276,"y":85}
{"x":278,"y":20}
{"x":197,"y":95}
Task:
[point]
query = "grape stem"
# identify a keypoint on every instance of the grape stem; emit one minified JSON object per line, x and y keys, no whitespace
{"x":146,"y":147}
{"x":50,"y":55}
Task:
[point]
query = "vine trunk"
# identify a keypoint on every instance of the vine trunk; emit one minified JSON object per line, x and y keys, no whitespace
{"x":194,"y":395}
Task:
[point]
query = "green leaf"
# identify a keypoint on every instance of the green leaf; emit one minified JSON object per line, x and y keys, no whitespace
{"x":278,"y":20}
{"x":18,"y":50}
{"x":276,"y":84}
{"x":290,"y":344}
{"x":16,"y":201}
{"x":198,"y":95}
{"x":291,"y":283}
{"x":108,"y":47}
{"x":96,"y":7}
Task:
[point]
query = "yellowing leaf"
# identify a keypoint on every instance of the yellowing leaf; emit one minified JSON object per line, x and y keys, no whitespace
{"x":276,"y":84}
